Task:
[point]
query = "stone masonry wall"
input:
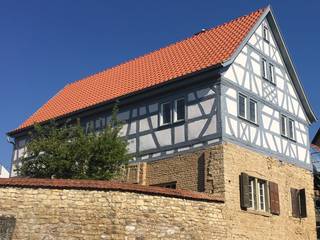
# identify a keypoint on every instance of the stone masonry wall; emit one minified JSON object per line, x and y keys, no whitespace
{"x":45,"y":213}
{"x":253,"y":225}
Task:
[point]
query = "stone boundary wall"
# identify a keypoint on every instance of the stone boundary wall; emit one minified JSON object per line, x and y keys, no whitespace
{"x":86,"y":209}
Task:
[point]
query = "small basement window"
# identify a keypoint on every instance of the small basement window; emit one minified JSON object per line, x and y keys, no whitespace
{"x":172,"y":185}
{"x":165,"y":114}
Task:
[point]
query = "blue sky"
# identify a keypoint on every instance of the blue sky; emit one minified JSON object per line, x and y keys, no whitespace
{"x":46,"y":44}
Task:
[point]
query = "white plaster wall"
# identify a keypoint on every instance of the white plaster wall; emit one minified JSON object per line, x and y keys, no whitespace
{"x":246,"y":73}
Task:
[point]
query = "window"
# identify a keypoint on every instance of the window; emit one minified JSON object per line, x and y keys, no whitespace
{"x":298,"y":203}
{"x":287,"y":127}
{"x":254,"y":194}
{"x":165,"y":114}
{"x":262,"y":195}
{"x":251,"y":193}
{"x":283,"y":125}
{"x":290,"y":128}
{"x":172,"y":185}
{"x":246,"y":113}
{"x":271,"y":73}
{"x":242,"y":106}
{"x":169,"y":114}
{"x":179,"y":110}
{"x":253,"y":111}
{"x":265,"y":33}
{"x":264,"y":68}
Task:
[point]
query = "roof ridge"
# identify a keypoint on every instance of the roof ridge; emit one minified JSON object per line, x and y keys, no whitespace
{"x":167,"y":46}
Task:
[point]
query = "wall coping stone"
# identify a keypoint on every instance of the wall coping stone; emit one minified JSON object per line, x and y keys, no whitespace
{"x":100,"y":185}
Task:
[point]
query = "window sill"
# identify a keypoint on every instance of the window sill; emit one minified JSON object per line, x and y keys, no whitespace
{"x":268,"y":80}
{"x":256,"y":212}
{"x":248,"y":121}
{"x":290,"y":139}
{"x":170,"y":125}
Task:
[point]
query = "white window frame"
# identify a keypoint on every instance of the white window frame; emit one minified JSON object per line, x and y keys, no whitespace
{"x":247,"y":110}
{"x":255,"y":110}
{"x":245,"y":105}
{"x":261,"y":184}
{"x":161,"y":114}
{"x":264,"y":66}
{"x":285,"y":130}
{"x":266,"y":33}
{"x":256,"y":188}
{"x":271,"y":73}
{"x":175,"y":110}
{"x":289,"y":129}
{"x":252,"y":192}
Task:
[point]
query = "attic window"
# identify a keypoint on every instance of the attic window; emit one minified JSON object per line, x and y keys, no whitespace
{"x":265,"y":33}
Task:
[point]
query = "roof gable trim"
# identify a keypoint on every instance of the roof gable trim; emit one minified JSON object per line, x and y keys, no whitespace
{"x":268,"y":14}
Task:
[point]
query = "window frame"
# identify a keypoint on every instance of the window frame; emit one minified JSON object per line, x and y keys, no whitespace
{"x":254,"y":191}
{"x":262,"y":183}
{"x":285,"y":129}
{"x":161,"y":123}
{"x":271,"y":73}
{"x":264,"y":68}
{"x":266,"y":33}
{"x":255,"y":111}
{"x":247,"y":108}
{"x":291,"y":130}
{"x":240,"y":95}
{"x":175,"y":110}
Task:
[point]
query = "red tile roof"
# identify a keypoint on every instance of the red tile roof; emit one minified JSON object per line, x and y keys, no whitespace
{"x":107,"y":186}
{"x":193,"y":54}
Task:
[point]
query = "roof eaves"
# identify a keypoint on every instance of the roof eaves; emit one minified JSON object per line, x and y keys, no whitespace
{"x":70,"y":114}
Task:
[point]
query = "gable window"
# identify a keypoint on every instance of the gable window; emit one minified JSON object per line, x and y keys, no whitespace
{"x":264,"y":68}
{"x":165,"y":113}
{"x":247,"y":108}
{"x":271,"y":73}
{"x":265,"y":33}
{"x":287,"y":127}
{"x":179,"y":110}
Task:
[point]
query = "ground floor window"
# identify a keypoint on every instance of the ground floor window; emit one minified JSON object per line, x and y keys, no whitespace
{"x":258,"y":194}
